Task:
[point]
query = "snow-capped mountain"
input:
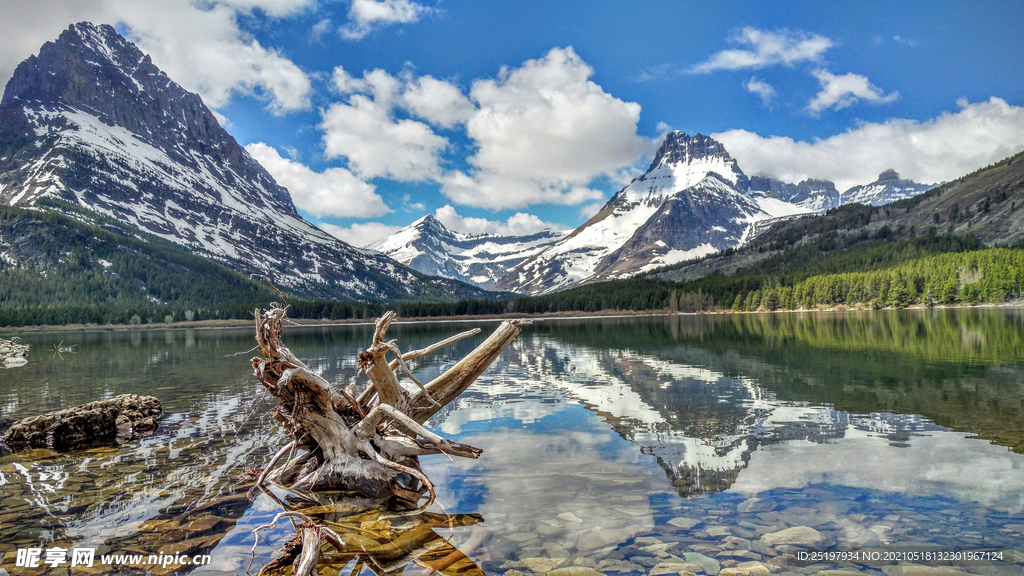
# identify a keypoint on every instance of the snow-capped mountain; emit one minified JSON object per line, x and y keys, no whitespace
{"x":430,"y":247}
{"x":815,"y":195}
{"x":888,"y":188}
{"x":92,"y":127}
{"x":693,"y":200}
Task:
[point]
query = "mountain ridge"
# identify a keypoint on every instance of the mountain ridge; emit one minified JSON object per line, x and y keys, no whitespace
{"x":428,"y":246}
{"x":155,"y":157}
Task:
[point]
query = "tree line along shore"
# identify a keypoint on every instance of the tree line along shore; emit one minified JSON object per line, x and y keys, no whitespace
{"x":876,"y":272}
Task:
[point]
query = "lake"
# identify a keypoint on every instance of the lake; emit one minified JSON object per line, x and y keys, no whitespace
{"x":735,"y":444}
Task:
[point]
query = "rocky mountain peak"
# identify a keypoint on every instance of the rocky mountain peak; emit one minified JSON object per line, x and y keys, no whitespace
{"x":64,"y":69}
{"x":889,"y":175}
{"x":93,"y":69}
{"x":680,"y":148}
{"x":429,"y":222}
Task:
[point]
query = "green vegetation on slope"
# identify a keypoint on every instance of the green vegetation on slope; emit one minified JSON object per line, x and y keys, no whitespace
{"x":994,"y":275}
{"x":817,"y":267}
{"x":56,"y":270}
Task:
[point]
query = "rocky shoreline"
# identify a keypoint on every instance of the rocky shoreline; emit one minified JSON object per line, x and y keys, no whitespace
{"x":119,"y":419}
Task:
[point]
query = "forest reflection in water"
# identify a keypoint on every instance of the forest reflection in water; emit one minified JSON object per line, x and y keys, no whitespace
{"x":618,"y":444}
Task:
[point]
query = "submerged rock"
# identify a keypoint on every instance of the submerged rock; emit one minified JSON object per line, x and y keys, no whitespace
{"x":756,"y":505}
{"x":684,"y":523}
{"x":575,"y":571}
{"x":121,"y":419}
{"x":796,"y":536}
{"x":709,"y":565}
{"x":541,"y":565}
{"x":673,"y":568}
{"x":747,"y":569}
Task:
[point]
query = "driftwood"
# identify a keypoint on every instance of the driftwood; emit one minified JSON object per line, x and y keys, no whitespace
{"x":368,"y":445}
{"x":119,"y":419}
{"x":13,"y":353}
{"x":372,"y":539}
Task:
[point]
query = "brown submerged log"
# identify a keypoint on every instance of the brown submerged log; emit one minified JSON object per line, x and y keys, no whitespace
{"x":368,"y":445}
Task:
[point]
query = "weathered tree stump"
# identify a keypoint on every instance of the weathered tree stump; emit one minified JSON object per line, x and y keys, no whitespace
{"x":368,"y":444}
{"x":121,"y":419}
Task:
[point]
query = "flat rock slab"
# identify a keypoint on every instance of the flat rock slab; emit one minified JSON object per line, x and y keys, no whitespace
{"x":119,"y":419}
{"x":709,"y":565}
{"x":682,"y":569}
{"x":684,"y":523}
{"x":756,"y":505}
{"x":796,"y":536}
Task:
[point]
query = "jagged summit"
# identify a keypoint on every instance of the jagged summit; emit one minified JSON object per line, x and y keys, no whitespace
{"x":681,"y":162}
{"x":64,"y":60}
{"x":94,"y":70}
{"x":680,"y":148}
{"x":430,"y":223}
{"x":92,"y":123}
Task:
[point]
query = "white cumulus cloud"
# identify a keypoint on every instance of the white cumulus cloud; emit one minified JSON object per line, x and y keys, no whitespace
{"x":365,"y":15}
{"x":767,"y":48}
{"x":199,"y":45}
{"x":838,"y":92}
{"x":936,"y":150}
{"x":543,"y":131}
{"x":273,"y":8}
{"x":762,"y":89}
{"x":519,"y":224}
{"x":359,"y":234}
{"x":333,"y":192}
{"x":436,"y":101}
{"x":376,"y":143}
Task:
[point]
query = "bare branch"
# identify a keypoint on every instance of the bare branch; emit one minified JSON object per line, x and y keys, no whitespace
{"x":414,"y":354}
{"x":273,"y":462}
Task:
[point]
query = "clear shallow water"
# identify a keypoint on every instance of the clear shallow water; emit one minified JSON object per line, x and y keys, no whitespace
{"x":628,"y":445}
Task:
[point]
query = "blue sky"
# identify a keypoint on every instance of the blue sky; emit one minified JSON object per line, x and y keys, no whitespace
{"x":512,"y":116}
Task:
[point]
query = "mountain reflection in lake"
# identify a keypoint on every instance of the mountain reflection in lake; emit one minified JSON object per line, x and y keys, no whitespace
{"x":624,"y":445}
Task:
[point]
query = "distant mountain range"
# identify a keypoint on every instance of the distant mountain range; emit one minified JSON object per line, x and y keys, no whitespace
{"x":97,"y":130}
{"x":987,"y":205}
{"x":693,"y":201}
{"x":429,"y":246}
